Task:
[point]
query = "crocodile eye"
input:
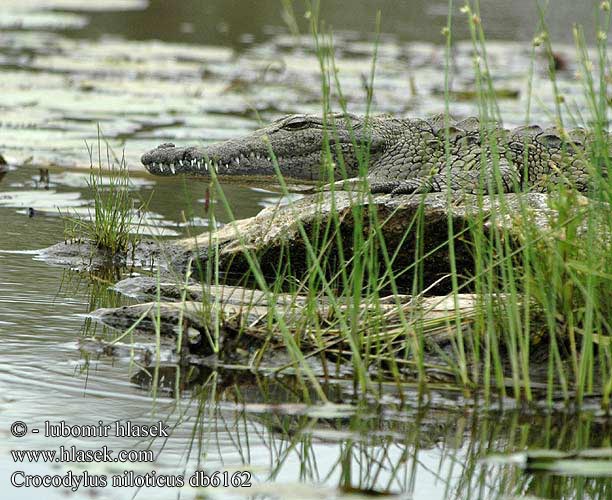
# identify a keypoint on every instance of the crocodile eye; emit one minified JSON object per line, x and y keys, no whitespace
{"x":297,"y":124}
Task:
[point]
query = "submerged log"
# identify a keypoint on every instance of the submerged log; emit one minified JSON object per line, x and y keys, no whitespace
{"x":248,"y":319}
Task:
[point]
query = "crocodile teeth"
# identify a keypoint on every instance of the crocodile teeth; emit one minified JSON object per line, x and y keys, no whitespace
{"x":199,"y":164}
{"x":172,"y":169}
{"x":193,"y":162}
{"x":252,"y":154}
{"x":226,"y":166}
{"x":181,"y":163}
{"x":237,"y":160}
{"x":161,"y":167}
{"x":206,"y":166}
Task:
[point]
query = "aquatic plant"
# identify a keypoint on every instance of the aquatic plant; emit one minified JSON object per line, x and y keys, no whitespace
{"x":114,"y":223}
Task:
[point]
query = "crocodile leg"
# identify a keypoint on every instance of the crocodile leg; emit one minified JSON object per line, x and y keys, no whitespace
{"x":406,"y":186}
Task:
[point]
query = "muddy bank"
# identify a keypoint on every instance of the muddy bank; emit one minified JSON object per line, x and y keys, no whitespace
{"x":81,"y":254}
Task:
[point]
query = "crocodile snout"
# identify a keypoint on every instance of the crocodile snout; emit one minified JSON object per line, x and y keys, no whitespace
{"x":161,"y":154}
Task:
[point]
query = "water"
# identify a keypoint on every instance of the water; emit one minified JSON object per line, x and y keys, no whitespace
{"x":196,"y":72}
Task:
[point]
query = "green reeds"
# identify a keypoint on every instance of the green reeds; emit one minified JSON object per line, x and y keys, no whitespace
{"x":540,"y":327}
{"x":114,"y":223}
{"x":558,"y":285}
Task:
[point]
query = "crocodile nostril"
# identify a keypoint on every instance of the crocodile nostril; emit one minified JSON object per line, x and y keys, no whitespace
{"x":166,"y":145}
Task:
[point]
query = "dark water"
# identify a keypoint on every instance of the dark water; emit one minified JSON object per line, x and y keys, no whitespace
{"x":195,"y":71}
{"x":232,"y":22}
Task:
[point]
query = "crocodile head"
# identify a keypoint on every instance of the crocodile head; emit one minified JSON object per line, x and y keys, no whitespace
{"x":294,"y":142}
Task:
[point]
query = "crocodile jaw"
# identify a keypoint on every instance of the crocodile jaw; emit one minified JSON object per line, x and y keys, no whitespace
{"x":219,"y":159}
{"x":297,"y":142}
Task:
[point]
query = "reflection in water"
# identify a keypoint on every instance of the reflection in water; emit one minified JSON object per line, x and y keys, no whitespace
{"x":97,"y":287}
{"x":411,"y":452}
{"x":3,"y":167}
{"x":236,"y":22}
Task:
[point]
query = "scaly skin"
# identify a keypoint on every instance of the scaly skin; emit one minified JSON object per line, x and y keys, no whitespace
{"x":404,"y":155}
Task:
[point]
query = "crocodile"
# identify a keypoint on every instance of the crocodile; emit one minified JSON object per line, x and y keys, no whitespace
{"x":396,"y":155}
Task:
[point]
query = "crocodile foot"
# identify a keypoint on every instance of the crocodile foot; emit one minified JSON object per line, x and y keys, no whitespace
{"x":405,"y":186}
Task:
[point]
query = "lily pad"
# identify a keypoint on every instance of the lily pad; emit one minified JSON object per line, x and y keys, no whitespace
{"x":41,"y":199}
{"x":588,"y":462}
{"x":41,"y":20}
{"x":75,"y":5}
